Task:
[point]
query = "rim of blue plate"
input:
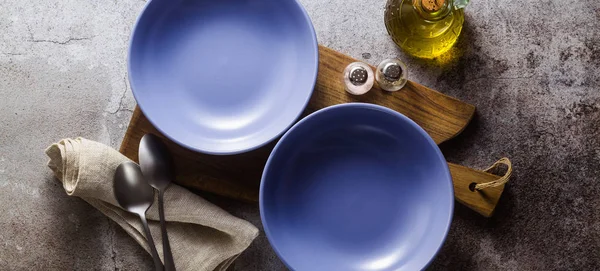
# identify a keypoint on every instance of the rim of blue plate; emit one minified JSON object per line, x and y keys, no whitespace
{"x":357,"y":105}
{"x":233,"y":152}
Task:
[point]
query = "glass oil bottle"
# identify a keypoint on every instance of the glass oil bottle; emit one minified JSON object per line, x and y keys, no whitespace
{"x":425,"y":28}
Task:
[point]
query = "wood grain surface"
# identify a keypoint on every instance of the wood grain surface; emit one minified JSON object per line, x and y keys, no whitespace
{"x":442,"y":116}
{"x":238,"y":176}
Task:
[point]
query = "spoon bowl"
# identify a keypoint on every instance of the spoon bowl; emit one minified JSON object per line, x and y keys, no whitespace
{"x":131,"y":190}
{"x":156,"y":162}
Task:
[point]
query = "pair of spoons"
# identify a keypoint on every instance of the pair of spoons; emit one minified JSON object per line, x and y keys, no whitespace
{"x":134,"y":190}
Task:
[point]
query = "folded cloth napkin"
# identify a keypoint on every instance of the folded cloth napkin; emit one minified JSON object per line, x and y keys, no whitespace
{"x":202,"y":236}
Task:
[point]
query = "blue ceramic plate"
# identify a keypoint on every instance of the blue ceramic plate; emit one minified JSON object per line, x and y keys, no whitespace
{"x":356,"y":187}
{"x":223,"y":77}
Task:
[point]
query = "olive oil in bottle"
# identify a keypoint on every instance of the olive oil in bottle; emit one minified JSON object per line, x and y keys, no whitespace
{"x":424,"y":28}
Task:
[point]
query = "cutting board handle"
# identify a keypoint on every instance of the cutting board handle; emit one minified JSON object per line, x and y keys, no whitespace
{"x":480,"y":190}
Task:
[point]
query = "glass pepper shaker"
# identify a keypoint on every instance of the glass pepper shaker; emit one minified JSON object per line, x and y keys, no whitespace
{"x":391,"y":74}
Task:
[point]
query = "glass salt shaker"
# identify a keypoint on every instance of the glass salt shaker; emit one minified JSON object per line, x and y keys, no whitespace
{"x":358,"y":78}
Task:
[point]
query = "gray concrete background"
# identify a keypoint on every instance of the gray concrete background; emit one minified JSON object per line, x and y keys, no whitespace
{"x":531,"y":68}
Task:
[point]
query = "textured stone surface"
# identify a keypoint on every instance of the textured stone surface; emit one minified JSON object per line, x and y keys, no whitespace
{"x":531,"y":68}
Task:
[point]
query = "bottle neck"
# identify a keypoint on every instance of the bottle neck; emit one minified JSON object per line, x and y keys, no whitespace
{"x":433,"y":10}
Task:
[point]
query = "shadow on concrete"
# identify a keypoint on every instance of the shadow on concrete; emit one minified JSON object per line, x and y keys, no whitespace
{"x":79,"y":233}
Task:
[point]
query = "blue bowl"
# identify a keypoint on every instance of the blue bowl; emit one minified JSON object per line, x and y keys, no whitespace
{"x":223,"y":77}
{"x":356,"y":187}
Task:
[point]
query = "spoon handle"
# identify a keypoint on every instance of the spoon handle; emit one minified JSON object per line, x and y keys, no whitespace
{"x":157,"y":263}
{"x":168,"y":256}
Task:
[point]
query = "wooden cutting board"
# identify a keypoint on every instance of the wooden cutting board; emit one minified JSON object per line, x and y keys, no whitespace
{"x":238,"y":176}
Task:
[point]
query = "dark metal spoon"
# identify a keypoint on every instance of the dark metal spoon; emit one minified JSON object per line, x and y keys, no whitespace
{"x":157,"y":165}
{"x":135,"y":195}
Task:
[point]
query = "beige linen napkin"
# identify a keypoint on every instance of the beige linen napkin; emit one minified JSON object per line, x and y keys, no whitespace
{"x":202,"y":236}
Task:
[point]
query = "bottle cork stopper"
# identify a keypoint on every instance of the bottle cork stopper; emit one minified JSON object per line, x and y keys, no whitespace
{"x":432,"y":5}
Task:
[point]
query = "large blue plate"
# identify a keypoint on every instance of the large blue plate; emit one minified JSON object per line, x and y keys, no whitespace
{"x":223,"y":77}
{"x":356,"y":187}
